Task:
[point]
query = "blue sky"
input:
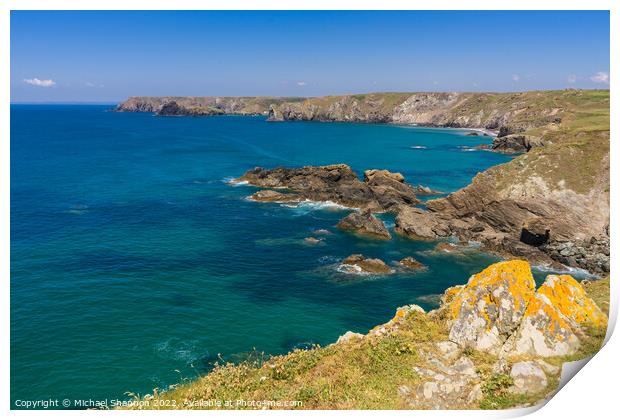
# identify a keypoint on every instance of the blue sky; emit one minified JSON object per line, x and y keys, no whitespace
{"x":107,"y":56}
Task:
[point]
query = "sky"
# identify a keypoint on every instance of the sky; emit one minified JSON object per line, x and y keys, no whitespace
{"x":107,"y":56}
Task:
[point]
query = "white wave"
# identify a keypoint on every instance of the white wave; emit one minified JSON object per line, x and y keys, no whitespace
{"x":419,"y":147}
{"x":233,"y":181}
{"x":306,"y":206}
{"x":351,"y":269}
{"x":579,"y":273}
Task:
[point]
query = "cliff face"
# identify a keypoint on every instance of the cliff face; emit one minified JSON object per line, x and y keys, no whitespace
{"x":202,"y":105}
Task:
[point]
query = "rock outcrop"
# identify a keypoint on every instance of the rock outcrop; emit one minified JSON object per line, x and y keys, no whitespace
{"x":516,"y":143}
{"x":380,"y":191}
{"x":364,"y":223}
{"x":411,"y":263}
{"x":358,"y":264}
{"x":500,"y":311}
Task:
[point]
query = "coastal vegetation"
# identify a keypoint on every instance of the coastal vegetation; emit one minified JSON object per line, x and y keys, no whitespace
{"x":419,"y":359}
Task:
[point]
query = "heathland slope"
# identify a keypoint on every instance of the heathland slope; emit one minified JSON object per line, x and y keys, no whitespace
{"x":495,"y":342}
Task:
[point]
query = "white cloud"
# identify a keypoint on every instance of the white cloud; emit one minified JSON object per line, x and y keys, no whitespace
{"x":600,"y":77}
{"x":301,"y":83}
{"x":571,"y":78}
{"x":40,"y":83}
{"x":92,"y":85}
{"x":516,"y":77}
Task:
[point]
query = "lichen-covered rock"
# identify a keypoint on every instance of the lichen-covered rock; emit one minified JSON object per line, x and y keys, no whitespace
{"x":445,"y":386}
{"x":554,"y":319}
{"x":528,"y":378}
{"x":490,"y":306}
{"x":364,"y":223}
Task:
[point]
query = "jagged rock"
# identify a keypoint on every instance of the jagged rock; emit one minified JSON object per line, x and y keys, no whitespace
{"x":367,"y":265}
{"x":418,"y":224}
{"x":348,"y":336}
{"x":274,"y":197}
{"x":312,"y":241}
{"x":516,"y":143}
{"x":491,"y":305}
{"x":554,"y":319}
{"x":528,"y":378}
{"x":364,"y":223}
{"x":390,"y":189}
{"x":412,"y":263}
{"x":593,"y":254}
{"x":322,"y":232}
{"x":381,"y":191}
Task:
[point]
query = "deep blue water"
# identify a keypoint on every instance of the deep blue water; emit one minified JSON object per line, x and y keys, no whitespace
{"x":133,"y":264}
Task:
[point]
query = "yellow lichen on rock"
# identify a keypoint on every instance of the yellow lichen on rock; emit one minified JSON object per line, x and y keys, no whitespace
{"x":555,"y":319}
{"x":491,"y":305}
{"x":570,"y":299}
{"x":516,"y":275}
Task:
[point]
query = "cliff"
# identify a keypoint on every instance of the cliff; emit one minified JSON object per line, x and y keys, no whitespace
{"x":202,"y":105}
{"x":495,"y":342}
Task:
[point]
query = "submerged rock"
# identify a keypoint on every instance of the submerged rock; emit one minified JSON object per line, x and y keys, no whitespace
{"x":364,"y":223}
{"x":366,"y":265}
{"x":312,"y":241}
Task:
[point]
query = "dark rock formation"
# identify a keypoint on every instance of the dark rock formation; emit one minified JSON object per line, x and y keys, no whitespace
{"x":364,"y":223}
{"x":516,"y":143}
{"x":381,"y":190}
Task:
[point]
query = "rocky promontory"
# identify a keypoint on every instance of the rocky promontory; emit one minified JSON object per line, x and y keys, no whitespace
{"x":381,"y":191}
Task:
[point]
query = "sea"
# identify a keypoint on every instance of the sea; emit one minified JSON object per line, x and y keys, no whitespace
{"x":137,"y":263}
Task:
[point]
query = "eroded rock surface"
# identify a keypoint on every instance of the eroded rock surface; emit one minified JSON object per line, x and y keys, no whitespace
{"x":364,"y":223}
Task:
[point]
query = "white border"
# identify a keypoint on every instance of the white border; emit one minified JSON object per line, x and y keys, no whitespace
{"x":592,"y":395}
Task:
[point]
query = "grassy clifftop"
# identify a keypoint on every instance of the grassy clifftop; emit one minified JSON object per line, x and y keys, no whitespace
{"x":389,"y":367}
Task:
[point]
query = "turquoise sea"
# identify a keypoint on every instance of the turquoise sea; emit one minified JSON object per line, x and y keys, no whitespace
{"x":135,"y":265}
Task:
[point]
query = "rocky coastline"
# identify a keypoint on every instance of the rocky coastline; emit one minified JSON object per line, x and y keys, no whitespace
{"x":550,"y":204}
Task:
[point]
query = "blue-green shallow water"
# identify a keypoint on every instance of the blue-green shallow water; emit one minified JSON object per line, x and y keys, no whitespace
{"x":134,"y":265}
